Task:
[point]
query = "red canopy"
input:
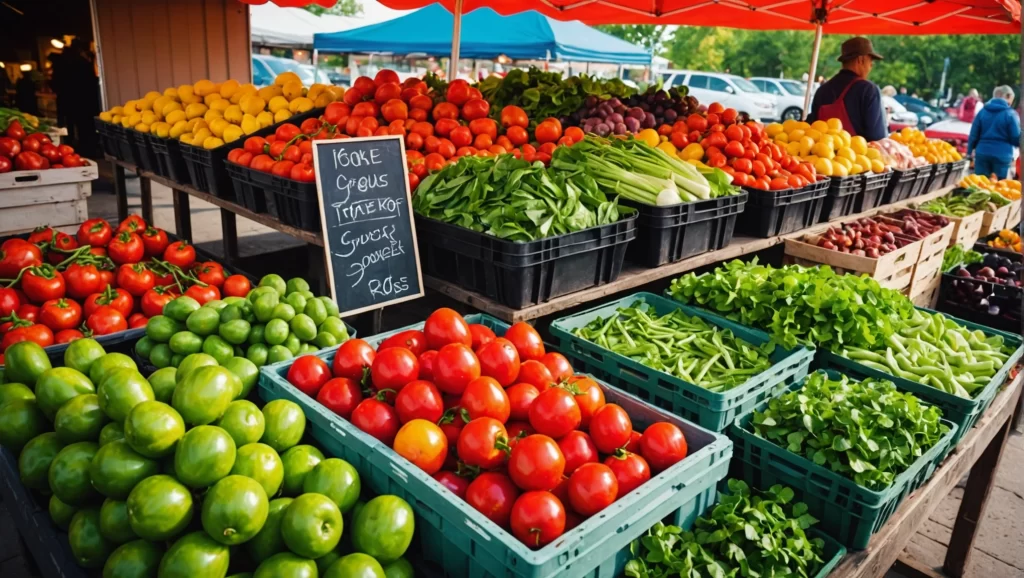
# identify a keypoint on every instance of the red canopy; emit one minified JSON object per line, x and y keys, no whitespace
{"x":839,"y":16}
{"x":294,"y":3}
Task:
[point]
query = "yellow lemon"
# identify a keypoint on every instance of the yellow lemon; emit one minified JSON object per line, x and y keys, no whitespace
{"x":859,"y":145}
{"x":232,"y":133}
{"x":806,"y":144}
{"x":796,"y":134}
{"x":195,"y":110}
{"x":106,"y":116}
{"x":877,"y":166}
{"x":228,"y":88}
{"x":864,"y":162}
{"x":250,"y":124}
{"x":177,"y":129}
{"x":827,"y":140}
{"x":337,"y":92}
{"x":834,"y":123}
{"x":803,"y":125}
{"x":218,"y":125}
{"x":789,"y":125}
{"x":269,"y":92}
{"x":873,"y":153}
{"x":840,"y":170}
{"x":793,"y":148}
{"x":669,"y":149}
{"x":171,"y":107}
{"x":823,"y":167}
{"x":204,"y":87}
{"x":773,"y":129}
{"x":142,"y":127}
{"x":820,"y":126}
{"x":292,"y":90}
{"x":265,"y":118}
{"x":286,"y":77}
{"x":844,"y":162}
{"x":252,"y":104}
{"x":316,"y":90}
{"x":323,"y":100}
{"x":144,"y":104}
{"x":148,"y":117}
{"x":781,"y":138}
{"x":846,"y":153}
{"x":277,"y":103}
{"x":200,"y":135}
{"x":212,"y":142}
{"x":693,"y":151}
{"x":814,"y":134}
{"x":212,"y":115}
{"x":171,"y":92}
{"x":300,"y":105}
{"x":234,"y":114}
{"x":282,"y":115}
{"x":160,"y":129}
{"x":823,"y":150}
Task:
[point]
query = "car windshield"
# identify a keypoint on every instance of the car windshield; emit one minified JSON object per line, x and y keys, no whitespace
{"x":285,"y":65}
{"x":745,"y":85}
{"x":794,"y":88}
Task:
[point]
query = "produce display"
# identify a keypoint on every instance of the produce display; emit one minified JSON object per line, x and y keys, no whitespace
{"x":123,"y":456}
{"x":25,"y":150}
{"x":1006,"y":239}
{"x":499,"y":421}
{"x":29,"y":123}
{"x":932,"y":150}
{"x":748,"y":533}
{"x":653,"y":108}
{"x":208,"y":114}
{"x":955,"y":205}
{"x":977,"y":278}
{"x":993,"y":269}
{"x":864,"y":237}
{"x":273,"y":322}
{"x":957,"y":255}
{"x":104,"y":280}
{"x":1009,"y":188}
{"x":828,"y":146}
{"x":897,"y":155}
{"x":916,"y":224}
{"x":680,"y":345}
{"x":866,"y":430}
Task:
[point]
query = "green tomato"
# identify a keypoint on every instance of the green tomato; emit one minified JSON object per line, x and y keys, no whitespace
{"x":276,"y":332}
{"x":159,"y":508}
{"x":285,"y":424}
{"x":307,"y":294}
{"x":216,"y":304}
{"x":176,"y":359}
{"x":13,"y":391}
{"x":383,"y":528}
{"x":231,"y":312}
{"x":180,"y":308}
{"x":284,"y":312}
{"x":279,"y":353}
{"x":195,"y":555}
{"x":336,"y":479}
{"x":263,"y":306}
{"x":160,"y":328}
{"x":69,"y":474}
{"x":400,"y":568}
{"x":88,"y":545}
{"x":203,"y":321}
{"x":20,"y":421}
{"x":153,"y":429}
{"x":163,"y":382}
{"x":298,"y":462}
{"x":122,"y":390}
{"x":143,"y":346}
{"x":243,"y":421}
{"x":58,"y":385}
{"x":303,"y":327}
{"x":233,"y":299}
{"x":35,"y":459}
{"x":112,"y":432}
{"x":114,"y":522}
{"x":117,"y":468}
{"x":268,"y":540}
{"x":247,"y":373}
{"x":101,"y":367}
{"x":135,"y":559}
{"x":61,"y":513}
{"x":215,"y":346}
{"x":325,"y":339}
{"x":311,"y":526}
{"x":316,"y":310}
{"x":234,"y":510}
{"x":192,"y":363}
{"x":274,"y":281}
{"x":355,"y":565}
{"x":81,"y":353}
{"x":297,"y":301}
{"x":261,"y":463}
{"x":25,"y":362}
{"x":258,"y":353}
{"x":286,"y":565}
{"x":80,"y":419}
{"x":330,"y":305}
{"x":256,"y":334}
{"x":296,"y":284}
{"x":235,"y":332}
{"x":186,"y":343}
{"x":336,"y":327}
{"x":293,"y":344}
{"x":204,"y":395}
{"x":204,"y":455}
{"x":160,"y":355}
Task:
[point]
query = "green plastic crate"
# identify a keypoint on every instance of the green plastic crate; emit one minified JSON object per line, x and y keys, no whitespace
{"x":454,"y":540}
{"x":963,"y":412}
{"x":833,"y":555}
{"x":712,"y":410}
{"x":849,"y":512}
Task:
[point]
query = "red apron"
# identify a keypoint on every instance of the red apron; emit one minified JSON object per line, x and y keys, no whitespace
{"x":838,"y":110}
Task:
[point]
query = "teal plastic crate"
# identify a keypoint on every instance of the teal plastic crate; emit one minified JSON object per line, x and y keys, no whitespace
{"x":709,"y":409}
{"x":833,"y":554}
{"x":963,"y":412}
{"x":847,"y":511}
{"x":454,"y":540}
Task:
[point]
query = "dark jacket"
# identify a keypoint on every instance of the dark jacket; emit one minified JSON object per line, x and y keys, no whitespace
{"x":863,"y":104}
{"x":995,"y":132}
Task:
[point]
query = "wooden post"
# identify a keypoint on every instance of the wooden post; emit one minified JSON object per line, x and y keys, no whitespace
{"x":146,"y":192}
{"x":229,"y":232}
{"x":182,"y":215}
{"x":120,"y":192}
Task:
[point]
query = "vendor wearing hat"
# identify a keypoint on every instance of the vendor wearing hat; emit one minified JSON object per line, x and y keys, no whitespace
{"x":849,"y":96}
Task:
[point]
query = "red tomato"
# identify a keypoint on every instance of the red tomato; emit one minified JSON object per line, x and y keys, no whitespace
{"x":527,"y":341}
{"x":119,"y":299}
{"x":419,"y":399}
{"x":154,"y":241}
{"x":341,"y":395}
{"x":376,"y":418}
{"x":106,"y":320}
{"x":393,"y":368}
{"x":236,"y":286}
{"x":458,"y":92}
{"x":15,"y":255}
{"x":153,"y":301}
{"x":67,"y":336}
{"x":536,"y":463}
{"x":610,"y":428}
{"x":578,"y":449}
{"x":592,"y":488}
{"x":131,"y":224}
{"x":180,"y":253}
{"x":461,"y":136}
{"x":455,"y":483}
{"x":484,"y":397}
{"x":630,"y":470}
{"x":427,"y":359}
{"x":210,"y":272}
{"x":42,"y":283}
{"x":500,"y":360}
{"x":126,"y":248}
{"x":493,"y":495}
{"x":421,"y":102}
{"x":481,"y":335}
{"x":445,"y":326}
{"x":483,"y":443}
{"x":352,"y":359}
{"x":9,"y":301}
{"x":137,"y":320}
{"x":520,"y":397}
{"x":512,"y":115}
{"x":203,"y":294}
{"x":413,"y":339}
{"x":451,"y":424}
{"x":94,"y":232}
{"x":37,"y":333}
{"x":558,"y":365}
{"x":589,"y":396}
{"x":729,"y":115}
{"x":455,"y":366}
{"x":136,"y":279}
{"x":309,"y":373}
{"x":475,"y":108}
{"x":547,"y":131}
{"x":697,"y":122}
{"x":555,"y":413}
{"x":82,"y":280}
{"x":537,"y":519}
{"x":60,"y":314}
{"x":662,"y":445}
{"x":534,"y":373}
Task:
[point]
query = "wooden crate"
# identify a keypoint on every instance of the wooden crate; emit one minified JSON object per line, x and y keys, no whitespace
{"x":55,"y":197}
{"x":929,"y":297}
{"x":967,"y":229}
{"x":894,"y":270}
{"x":1013,"y":216}
{"x":929,"y":263}
{"x":996,"y":220}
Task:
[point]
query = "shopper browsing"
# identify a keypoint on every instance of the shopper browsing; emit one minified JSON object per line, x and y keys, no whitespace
{"x":995,"y":134}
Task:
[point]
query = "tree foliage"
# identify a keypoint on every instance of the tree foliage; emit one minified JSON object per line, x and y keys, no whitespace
{"x":341,"y":8}
{"x":650,"y":37}
{"x":976,"y":61}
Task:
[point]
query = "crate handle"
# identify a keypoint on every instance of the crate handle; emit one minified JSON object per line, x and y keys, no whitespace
{"x":478,"y":529}
{"x":29,"y":178}
{"x":338,"y":429}
{"x":399,"y":472}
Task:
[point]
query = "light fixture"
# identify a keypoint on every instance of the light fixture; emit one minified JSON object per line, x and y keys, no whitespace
{"x":26,"y":67}
{"x":56,"y":43}
{"x":2,"y":65}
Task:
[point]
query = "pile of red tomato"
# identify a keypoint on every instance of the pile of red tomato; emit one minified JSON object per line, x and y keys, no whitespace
{"x":55,"y":288}
{"x":21,"y":151}
{"x":499,"y":421}
{"x":288,"y":153}
{"x":741,"y":149}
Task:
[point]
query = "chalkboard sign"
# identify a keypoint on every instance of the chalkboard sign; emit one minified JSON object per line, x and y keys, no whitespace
{"x":366,"y":215}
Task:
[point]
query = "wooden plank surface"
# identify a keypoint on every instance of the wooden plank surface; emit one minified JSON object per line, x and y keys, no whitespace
{"x":634,"y":276}
{"x":887,"y":545}
{"x":261,"y":218}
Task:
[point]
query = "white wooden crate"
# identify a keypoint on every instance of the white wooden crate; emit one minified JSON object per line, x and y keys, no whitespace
{"x":54,"y":197}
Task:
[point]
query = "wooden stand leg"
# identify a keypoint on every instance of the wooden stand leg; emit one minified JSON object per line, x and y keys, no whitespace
{"x":972,"y":507}
{"x":229,"y":232}
{"x":146,"y":192}
{"x":120,"y":192}
{"x":182,"y":215}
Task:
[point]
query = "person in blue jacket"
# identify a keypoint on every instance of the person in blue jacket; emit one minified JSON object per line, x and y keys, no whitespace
{"x":995,"y":134}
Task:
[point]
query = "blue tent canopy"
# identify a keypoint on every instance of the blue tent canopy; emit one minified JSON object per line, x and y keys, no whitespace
{"x":486,"y":35}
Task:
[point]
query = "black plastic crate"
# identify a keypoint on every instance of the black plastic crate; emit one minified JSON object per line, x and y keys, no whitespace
{"x":771,"y":213}
{"x":900,"y":185}
{"x":144,"y":158}
{"x":249,"y":195}
{"x":923,"y":181}
{"x":126,"y":150}
{"x":104,"y":136}
{"x":672,"y":233}
{"x":957,"y":171}
{"x":939,"y":175}
{"x":1007,"y":318}
{"x":982,"y":246}
{"x":169,"y":161}
{"x":874,"y":191}
{"x":842,"y":197}
{"x":295,"y":203}
{"x":523,"y":274}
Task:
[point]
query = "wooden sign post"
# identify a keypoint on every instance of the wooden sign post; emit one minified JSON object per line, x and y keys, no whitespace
{"x":368,"y":228}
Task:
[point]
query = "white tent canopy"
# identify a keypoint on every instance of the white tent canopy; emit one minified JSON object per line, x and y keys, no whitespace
{"x":272,"y":25}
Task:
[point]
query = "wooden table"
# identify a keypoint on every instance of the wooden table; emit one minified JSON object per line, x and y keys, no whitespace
{"x":633,"y":276}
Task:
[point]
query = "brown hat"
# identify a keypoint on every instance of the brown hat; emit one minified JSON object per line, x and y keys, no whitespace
{"x":858,"y":46}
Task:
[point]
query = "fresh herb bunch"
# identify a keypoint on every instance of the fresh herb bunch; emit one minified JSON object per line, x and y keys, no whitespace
{"x":958,"y":255}
{"x":746,"y":534}
{"x":543,"y":94}
{"x":675,"y":343}
{"x":934,"y":350}
{"x":513,"y":199}
{"x":798,"y":305}
{"x":865,"y":430}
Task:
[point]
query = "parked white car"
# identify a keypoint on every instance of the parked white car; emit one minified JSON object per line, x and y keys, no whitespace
{"x":788,"y":93}
{"x":730,"y":90}
{"x":898,"y":115}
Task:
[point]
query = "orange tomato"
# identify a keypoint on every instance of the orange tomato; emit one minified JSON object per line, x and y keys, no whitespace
{"x":433,"y":161}
{"x":497,"y":150}
{"x":422,"y":102}
{"x":547,"y":148}
{"x":743,"y":165}
{"x":796,"y":181}
{"x":548,"y":132}
{"x":363,"y":132}
{"x":394,"y":109}
{"x":424,"y":128}
{"x":665,"y":130}
{"x":422,"y":443}
{"x":370,"y":123}
{"x":715,"y":108}
{"x":463,"y":151}
{"x":504,"y":141}
{"x":779,"y":184}
{"x":575,"y":133}
{"x":461,"y":136}
{"x":397,"y":127}
{"x":517,"y":135}
{"x":512,"y":115}
{"x":485,"y":126}
{"x":483,"y":141}
{"x":418,"y":115}
{"x":566,"y":141}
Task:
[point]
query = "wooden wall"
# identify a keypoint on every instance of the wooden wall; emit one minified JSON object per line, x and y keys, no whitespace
{"x":153,"y":44}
